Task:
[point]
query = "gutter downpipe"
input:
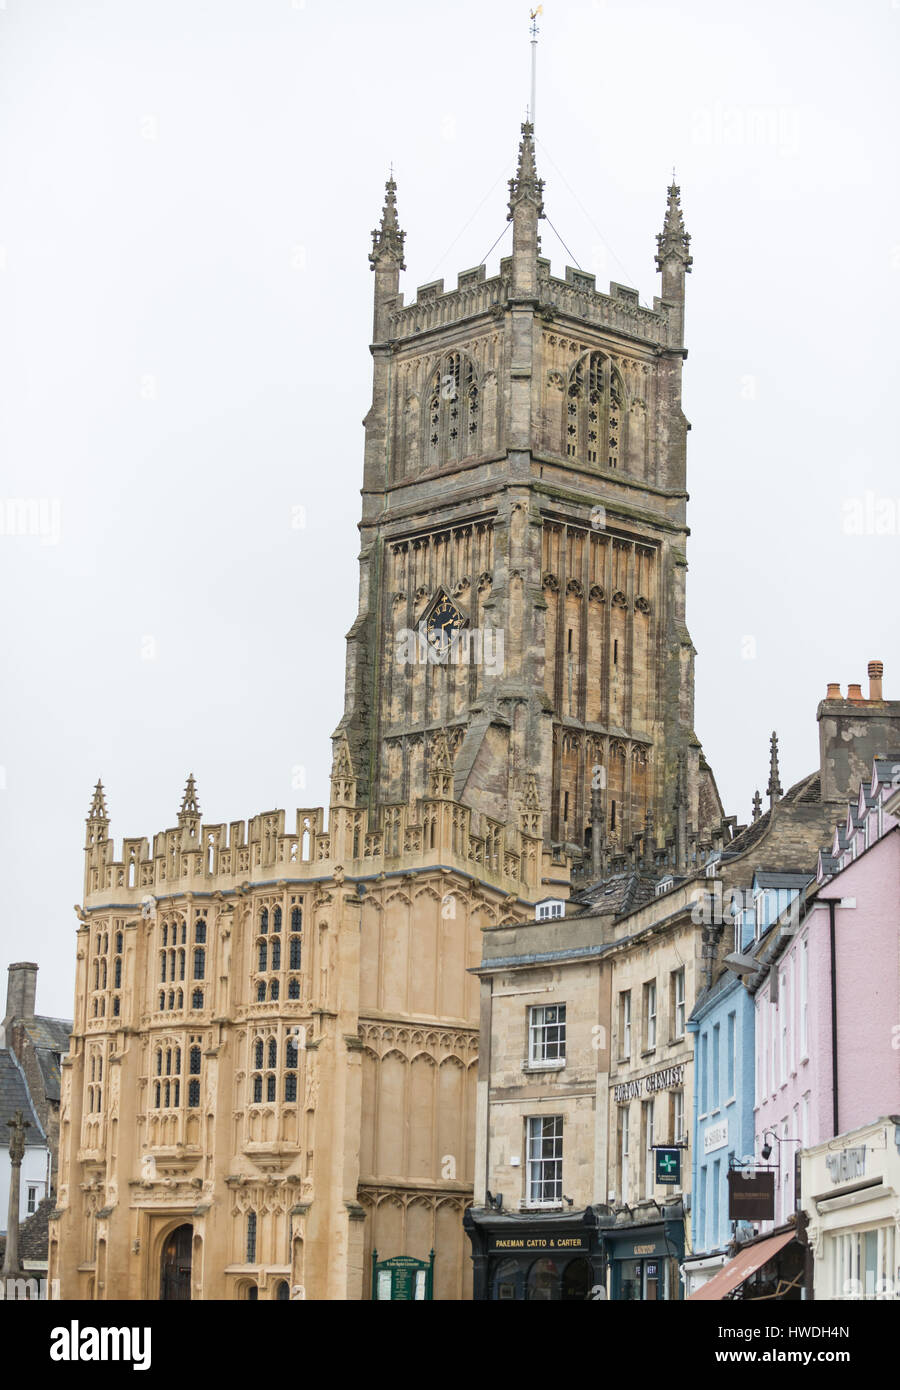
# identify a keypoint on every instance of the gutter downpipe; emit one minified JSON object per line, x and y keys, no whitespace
{"x":833,"y":903}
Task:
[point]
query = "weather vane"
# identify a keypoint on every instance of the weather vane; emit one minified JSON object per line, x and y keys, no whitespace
{"x":534,"y":38}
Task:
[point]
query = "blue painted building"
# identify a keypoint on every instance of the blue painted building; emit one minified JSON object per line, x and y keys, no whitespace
{"x":723,"y":1026}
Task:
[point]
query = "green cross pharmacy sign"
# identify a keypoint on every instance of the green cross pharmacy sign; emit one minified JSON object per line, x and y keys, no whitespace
{"x":668,"y":1167}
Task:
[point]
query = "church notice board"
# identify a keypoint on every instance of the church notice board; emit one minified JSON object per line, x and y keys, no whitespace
{"x":402,"y":1279}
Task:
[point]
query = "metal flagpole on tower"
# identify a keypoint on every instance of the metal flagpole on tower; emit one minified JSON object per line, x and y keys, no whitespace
{"x":534,"y":38}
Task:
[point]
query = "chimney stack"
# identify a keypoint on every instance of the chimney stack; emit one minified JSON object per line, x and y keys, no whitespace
{"x":876,"y":671}
{"x":21,"y":990}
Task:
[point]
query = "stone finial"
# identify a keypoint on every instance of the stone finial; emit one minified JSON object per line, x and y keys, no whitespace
{"x":18,"y":1125}
{"x":757,"y":806}
{"x":773,"y":790}
{"x":441,"y":760}
{"x":98,"y":804}
{"x":531,"y":801}
{"x":190,"y":806}
{"x":387,"y":238}
{"x":673,"y":241}
{"x":526,"y":186}
{"x":343,"y":763}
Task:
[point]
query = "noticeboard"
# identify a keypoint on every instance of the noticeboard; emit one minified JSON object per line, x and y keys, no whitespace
{"x":402,"y":1279}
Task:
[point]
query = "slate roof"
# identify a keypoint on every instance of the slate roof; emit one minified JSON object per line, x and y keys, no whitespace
{"x":50,"y":1039}
{"x":618,"y":895}
{"x":14,"y":1096}
{"x":34,"y":1233}
{"x":52,"y":1033}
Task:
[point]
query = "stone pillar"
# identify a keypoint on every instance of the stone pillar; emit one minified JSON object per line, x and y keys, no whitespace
{"x":18,"y":1125}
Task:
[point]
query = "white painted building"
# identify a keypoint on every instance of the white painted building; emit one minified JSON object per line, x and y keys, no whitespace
{"x":851,"y":1190}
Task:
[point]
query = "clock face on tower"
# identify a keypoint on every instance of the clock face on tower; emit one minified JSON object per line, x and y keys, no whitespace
{"x":444,"y":619}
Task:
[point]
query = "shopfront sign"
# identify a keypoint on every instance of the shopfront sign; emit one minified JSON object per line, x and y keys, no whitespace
{"x":751,"y":1194}
{"x":529,"y":1244}
{"x":847,"y":1164}
{"x":668,"y":1166}
{"x":715,"y":1137}
{"x":668,"y":1078}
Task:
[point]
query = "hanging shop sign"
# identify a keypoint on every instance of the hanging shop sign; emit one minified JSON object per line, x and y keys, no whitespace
{"x":751,"y":1194}
{"x":668,"y":1166}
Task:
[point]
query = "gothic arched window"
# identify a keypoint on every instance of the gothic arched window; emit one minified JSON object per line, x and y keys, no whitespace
{"x":276,"y":919}
{"x":199,"y":963}
{"x":595,"y":401}
{"x":293,"y":989}
{"x":251,"y":1237}
{"x":454,"y":410}
{"x":260,"y":991}
{"x":296,"y":918}
{"x":257,"y":1089}
{"x":193,"y":1094}
{"x":273,"y":990}
{"x":270,"y":1087}
{"x":258,"y":1054}
{"x":263,"y":952}
{"x":276,"y":954}
{"x":264,"y":921}
{"x":197,"y":999}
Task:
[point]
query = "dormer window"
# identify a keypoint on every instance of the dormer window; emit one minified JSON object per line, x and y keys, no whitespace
{"x":550,"y":907}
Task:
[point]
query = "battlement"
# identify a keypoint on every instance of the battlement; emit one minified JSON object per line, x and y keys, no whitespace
{"x":575,"y":296}
{"x":227,"y":857}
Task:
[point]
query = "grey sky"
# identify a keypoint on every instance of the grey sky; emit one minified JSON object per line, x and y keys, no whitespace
{"x":187,"y":191}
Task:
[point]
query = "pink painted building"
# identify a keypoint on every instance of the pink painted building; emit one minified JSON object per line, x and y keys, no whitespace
{"x":828,"y":1038}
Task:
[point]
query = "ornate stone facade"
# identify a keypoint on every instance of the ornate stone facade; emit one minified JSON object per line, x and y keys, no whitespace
{"x":275,"y":1032}
{"x":275,"y":1045}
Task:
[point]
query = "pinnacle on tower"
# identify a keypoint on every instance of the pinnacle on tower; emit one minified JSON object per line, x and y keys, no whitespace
{"x":673,"y":241}
{"x":98,"y":804}
{"x":773,"y":790}
{"x":190,"y":806}
{"x":757,"y":806}
{"x":526,"y":186}
{"x":388,"y":239}
{"x":343,"y":763}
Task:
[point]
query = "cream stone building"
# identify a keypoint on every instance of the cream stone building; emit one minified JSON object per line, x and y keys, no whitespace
{"x":276,"y":1031}
{"x":586,"y":1065}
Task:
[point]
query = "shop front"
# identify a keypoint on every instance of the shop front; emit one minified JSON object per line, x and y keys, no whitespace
{"x":645,"y":1255}
{"x":770,"y":1267}
{"x":537,"y":1256}
{"x":850,"y":1189}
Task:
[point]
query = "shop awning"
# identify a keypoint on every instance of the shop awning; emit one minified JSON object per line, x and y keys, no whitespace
{"x":742,"y":1266}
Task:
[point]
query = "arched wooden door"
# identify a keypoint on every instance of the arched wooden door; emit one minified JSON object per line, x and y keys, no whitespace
{"x":175,"y":1281}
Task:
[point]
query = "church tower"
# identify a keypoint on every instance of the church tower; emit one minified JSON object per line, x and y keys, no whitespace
{"x":523,"y":558}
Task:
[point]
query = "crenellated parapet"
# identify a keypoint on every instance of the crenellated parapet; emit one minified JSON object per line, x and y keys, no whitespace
{"x":230,"y":858}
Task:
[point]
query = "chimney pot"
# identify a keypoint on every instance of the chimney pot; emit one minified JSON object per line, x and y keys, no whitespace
{"x":876,"y":671}
{"x":833,"y":692}
{"x":854,"y":692}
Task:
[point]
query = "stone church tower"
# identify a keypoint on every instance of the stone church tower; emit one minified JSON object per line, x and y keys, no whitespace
{"x":275,"y":1038}
{"x":524,"y":487}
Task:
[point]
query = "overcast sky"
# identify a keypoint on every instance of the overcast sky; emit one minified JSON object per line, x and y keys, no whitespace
{"x":187,"y":191}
